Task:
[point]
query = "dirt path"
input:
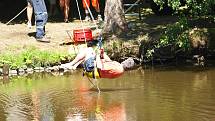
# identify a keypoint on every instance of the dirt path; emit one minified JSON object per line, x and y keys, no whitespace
{"x":18,"y":36}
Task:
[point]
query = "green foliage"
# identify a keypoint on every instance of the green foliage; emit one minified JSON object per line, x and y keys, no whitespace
{"x":15,"y":61}
{"x":176,"y":34}
{"x":194,"y":7}
{"x":33,"y":58}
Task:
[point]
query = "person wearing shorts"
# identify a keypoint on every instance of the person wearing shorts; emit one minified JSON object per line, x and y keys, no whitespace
{"x":105,"y":67}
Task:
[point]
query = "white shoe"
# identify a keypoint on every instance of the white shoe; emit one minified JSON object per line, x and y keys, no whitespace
{"x":99,"y":18}
{"x":87,"y":18}
{"x":29,"y":24}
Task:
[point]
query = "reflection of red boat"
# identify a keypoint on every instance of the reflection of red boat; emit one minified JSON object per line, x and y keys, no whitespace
{"x":81,"y":34}
{"x":115,"y":112}
{"x":89,"y":103}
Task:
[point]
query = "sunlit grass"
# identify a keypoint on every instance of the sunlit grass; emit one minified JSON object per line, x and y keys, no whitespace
{"x":32,"y":57}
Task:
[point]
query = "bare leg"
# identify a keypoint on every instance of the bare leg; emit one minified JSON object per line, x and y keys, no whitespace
{"x":29,"y":14}
{"x":66,"y":10}
{"x":62,"y":5}
{"x":78,"y":63}
{"x":52,"y":9}
{"x":61,"y":2}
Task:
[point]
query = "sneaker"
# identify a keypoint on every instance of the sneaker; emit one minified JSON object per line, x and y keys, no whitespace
{"x":99,"y":18}
{"x":29,"y":25}
{"x":44,"y":39}
{"x":47,"y":36}
{"x":87,"y":18}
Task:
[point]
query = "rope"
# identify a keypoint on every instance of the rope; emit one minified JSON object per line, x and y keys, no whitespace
{"x":16,"y":15}
{"x":82,"y":25}
{"x":85,"y":36}
{"x":88,"y":8}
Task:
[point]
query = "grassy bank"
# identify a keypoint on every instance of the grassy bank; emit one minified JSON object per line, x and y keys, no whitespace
{"x":33,"y":57}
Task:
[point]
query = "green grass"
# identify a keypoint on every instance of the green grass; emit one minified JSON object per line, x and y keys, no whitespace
{"x":32,"y":57}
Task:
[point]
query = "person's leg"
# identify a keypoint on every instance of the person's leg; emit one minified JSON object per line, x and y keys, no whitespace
{"x":40,"y":24}
{"x":66,"y":10}
{"x":86,"y":5}
{"x":29,"y":14}
{"x":62,"y":4}
{"x":41,"y":17}
{"x":52,"y":7}
{"x":95,"y":4}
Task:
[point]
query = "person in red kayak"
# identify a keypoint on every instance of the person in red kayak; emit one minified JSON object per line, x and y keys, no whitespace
{"x":96,"y":64}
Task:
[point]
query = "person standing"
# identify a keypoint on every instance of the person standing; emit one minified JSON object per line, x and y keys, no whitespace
{"x":41,"y":17}
{"x":95,"y":5}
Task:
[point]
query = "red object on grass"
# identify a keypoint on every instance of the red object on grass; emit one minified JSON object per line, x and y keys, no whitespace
{"x":81,"y":34}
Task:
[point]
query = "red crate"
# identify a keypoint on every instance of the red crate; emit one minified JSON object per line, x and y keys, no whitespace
{"x":81,"y":34}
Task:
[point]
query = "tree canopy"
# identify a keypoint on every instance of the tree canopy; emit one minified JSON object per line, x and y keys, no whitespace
{"x":193,"y":7}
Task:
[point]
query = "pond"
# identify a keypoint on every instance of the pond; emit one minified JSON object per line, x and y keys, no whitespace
{"x":161,"y":94}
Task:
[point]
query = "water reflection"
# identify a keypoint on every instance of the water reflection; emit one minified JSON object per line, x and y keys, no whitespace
{"x":90,"y":106}
{"x":5,"y":79}
{"x":161,"y":95}
{"x":41,"y":107}
{"x":35,"y":106}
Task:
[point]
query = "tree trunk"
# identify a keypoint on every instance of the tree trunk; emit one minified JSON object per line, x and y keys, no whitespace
{"x":114,"y":17}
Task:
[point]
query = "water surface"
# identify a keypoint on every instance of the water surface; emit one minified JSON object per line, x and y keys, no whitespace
{"x":138,"y":95}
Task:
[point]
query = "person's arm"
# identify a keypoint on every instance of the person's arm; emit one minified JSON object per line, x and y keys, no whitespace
{"x":29,"y":11}
{"x":78,"y":59}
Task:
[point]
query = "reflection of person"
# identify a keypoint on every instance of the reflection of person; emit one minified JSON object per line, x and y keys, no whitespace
{"x":103,"y":68}
{"x":41,"y":17}
{"x":29,"y":14}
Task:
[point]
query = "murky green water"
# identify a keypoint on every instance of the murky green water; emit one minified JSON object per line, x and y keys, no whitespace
{"x":149,"y":95}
